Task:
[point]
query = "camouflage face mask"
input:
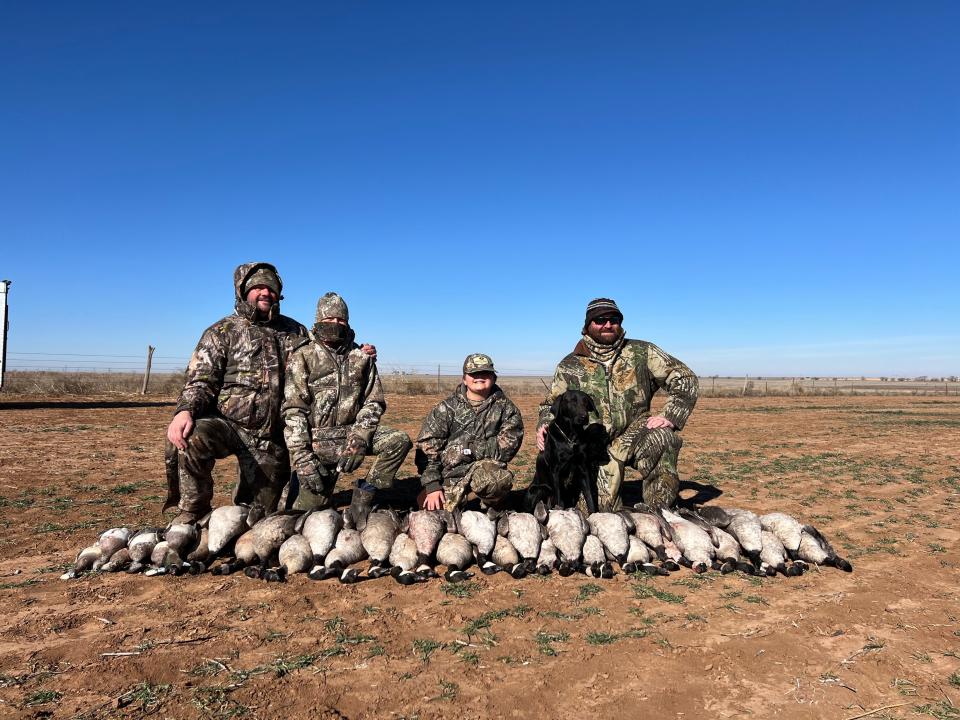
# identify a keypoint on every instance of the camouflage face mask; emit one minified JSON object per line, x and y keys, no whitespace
{"x":331,"y":332}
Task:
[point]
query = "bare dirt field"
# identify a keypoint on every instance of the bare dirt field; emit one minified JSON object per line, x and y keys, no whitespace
{"x":880,"y":475}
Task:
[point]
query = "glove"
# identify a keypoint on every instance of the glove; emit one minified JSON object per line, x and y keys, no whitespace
{"x":352,"y":454}
{"x":314,"y":477}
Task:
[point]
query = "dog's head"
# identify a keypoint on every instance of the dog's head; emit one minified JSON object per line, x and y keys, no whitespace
{"x":573,"y":407}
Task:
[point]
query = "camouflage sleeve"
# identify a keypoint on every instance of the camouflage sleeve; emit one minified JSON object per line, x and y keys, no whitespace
{"x":678,"y":380}
{"x":374,"y":404}
{"x":204,"y":373}
{"x":431,"y":441}
{"x":296,"y":415}
{"x":510,"y":436}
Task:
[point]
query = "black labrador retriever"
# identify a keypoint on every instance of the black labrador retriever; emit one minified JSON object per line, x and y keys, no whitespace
{"x":573,"y":452}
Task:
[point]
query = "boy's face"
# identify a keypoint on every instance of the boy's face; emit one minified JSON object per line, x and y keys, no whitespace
{"x":480,"y":383}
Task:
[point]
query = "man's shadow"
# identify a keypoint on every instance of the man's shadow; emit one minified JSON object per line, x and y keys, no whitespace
{"x":692,"y":493}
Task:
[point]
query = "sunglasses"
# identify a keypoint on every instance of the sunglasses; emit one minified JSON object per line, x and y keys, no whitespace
{"x":605,"y":320}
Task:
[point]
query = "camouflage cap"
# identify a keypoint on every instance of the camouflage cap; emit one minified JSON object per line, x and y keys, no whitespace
{"x":478,"y":362}
{"x":332,"y":305}
{"x":265,"y":276}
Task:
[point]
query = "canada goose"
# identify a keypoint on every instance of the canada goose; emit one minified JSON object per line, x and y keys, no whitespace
{"x":594,"y":559}
{"x":403,"y":559}
{"x":785,"y":527}
{"x":377,"y":537}
{"x":426,"y":528}
{"x":525,"y":533}
{"x":455,"y":552}
{"x":611,"y":530}
{"x":85,"y":561}
{"x":568,"y":531}
{"x":481,"y":531}
{"x":693,"y":541}
{"x":815,"y":548}
{"x":347,"y":551}
{"x":505,"y":555}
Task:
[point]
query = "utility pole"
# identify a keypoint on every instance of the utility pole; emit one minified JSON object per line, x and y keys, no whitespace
{"x":4,"y":326}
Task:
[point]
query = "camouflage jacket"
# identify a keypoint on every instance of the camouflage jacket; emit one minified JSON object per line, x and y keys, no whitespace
{"x":238,"y":365}
{"x":623,"y":393}
{"x":329,"y":396}
{"x":492,"y":429}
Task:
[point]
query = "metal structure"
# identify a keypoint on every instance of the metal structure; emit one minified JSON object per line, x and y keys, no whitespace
{"x":5,"y":324}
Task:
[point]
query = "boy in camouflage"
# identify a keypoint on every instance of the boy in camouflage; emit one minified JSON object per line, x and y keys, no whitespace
{"x":621,"y":376}
{"x":230,"y":403}
{"x":332,"y":406}
{"x":467,"y":440}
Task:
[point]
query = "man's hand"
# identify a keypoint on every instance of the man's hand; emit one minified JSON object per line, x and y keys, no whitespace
{"x":312,"y":477}
{"x":658,"y":421}
{"x":370,"y":350}
{"x":541,"y":437}
{"x":352,"y":455}
{"x":434,"y":500}
{"x":180,"y":428}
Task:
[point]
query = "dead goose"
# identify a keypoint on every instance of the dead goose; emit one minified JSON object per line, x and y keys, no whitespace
{"x":785,"y":527}
{"x":426,"y":527}
{"x":403,"y":559}
{"x":244,"y":555}
{"x":727,"y":552}
{"x":742,"y":524}
{"x":525,"y":534}
{"x":347,"y":551}
{"x":547,"y":559}
{"x":140,"y":546}
{"x":652,"y":529}
{"x":595,"y":559}
{"x":612,"y":531}
{"x":505,"y":555}
{"x":85,"y":561}
{"x":773,"y":556}
{"x":295,"y":556}
{"x":112,"y":540}
{"x":268,"y":535}
{"x":640,"y":559}
{"x":165,"y":560}
{"x":815,"y":548}
{"x":481,"y":531}
{"x":199,"y":557}
{"x":693,"y":541}
{"x":226,"y":524}
{"x":120,"y":560}
{"x":377,"y":537}
{"x":568,"y":531}
{"x":182,"y":538}
{"x":455,"y":552}
{"x":321,"y":529}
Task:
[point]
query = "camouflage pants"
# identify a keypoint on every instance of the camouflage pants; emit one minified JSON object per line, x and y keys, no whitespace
{"x":653,"y":453}
{"x":389,"y":446}
{"x":489,"y":480}
{"x":264,"y":467}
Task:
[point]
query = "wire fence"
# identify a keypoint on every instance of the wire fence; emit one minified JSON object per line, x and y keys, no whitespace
{"x":80,"y":373}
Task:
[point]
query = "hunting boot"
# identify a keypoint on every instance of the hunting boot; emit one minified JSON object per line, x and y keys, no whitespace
{"x":360,"y":505}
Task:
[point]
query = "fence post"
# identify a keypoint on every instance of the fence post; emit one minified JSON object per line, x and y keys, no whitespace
{"x":146,"y":371}
{"x":744,"y":391}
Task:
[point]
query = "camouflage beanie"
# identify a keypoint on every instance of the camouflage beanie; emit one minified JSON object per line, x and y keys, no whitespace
{"x":263,"y":276}
{"x":332,"y":305}
{"x":599,"y":307}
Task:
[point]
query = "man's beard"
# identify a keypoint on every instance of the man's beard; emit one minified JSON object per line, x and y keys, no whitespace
{"x":612,"y":336}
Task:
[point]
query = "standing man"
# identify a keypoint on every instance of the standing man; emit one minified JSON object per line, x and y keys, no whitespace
{"x":622,"y":377}
{"x":332,"y":406}
{"x":467,"y":440}
{"x":230,"y":403}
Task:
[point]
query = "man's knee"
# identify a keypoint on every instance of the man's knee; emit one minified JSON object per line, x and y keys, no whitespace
{"x":394,"y":443}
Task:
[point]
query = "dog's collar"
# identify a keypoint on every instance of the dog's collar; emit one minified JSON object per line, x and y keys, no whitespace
{"x":562,"y":433}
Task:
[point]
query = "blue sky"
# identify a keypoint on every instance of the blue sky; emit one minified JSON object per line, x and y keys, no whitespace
{"x":765,"y":188}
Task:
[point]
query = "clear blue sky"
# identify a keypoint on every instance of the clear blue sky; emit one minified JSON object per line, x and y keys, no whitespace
{"x":765,"y":188}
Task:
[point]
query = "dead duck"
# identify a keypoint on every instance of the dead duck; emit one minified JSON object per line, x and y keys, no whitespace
{"x":481,"y":531}
{"x":815,"y":548}
{"x":377,"y":537}
{"x":456,"y":553}
{"x":505,"y":555}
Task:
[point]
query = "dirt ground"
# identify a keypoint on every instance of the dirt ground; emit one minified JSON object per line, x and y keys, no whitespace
{"x":880,"y":476}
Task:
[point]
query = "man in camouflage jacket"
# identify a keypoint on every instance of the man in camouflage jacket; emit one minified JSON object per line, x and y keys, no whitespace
{"x":230,"y":403}
{"x":622,"y":376}
{"x":332,"y":406}
{"x":467,"y":440}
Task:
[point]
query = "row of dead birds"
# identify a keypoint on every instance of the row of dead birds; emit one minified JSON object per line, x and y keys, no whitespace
{"x":409,"y":546}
